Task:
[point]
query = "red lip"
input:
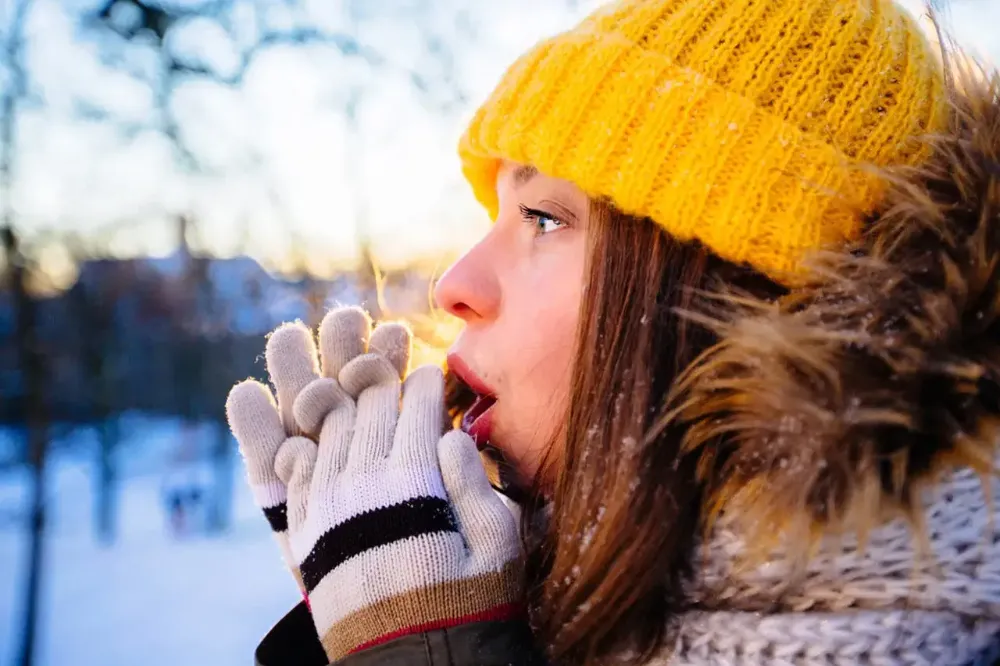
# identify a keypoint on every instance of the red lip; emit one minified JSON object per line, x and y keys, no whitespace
{"x":465,"y":373}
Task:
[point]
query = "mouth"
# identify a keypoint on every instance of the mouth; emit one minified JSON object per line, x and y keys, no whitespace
{"x":477,"y":421}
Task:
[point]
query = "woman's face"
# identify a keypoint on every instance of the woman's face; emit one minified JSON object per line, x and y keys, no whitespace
{"x":518,"y":291}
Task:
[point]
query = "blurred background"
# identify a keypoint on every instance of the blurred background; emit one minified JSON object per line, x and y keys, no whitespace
{"x":176,"y":179}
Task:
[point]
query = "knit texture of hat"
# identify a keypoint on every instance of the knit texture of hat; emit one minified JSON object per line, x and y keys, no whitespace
{"x":739,"y":123}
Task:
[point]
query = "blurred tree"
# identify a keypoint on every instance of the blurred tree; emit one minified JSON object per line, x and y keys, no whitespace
{"x":246,"y":30}
{"x":132,"y":17}
{"x":251,"y":28}
{"x":33,"y":385}
{"x":26,"y":340}
{"x":93,"y":308}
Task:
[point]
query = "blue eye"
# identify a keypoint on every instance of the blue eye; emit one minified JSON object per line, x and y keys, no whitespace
{"x":543,"y":222}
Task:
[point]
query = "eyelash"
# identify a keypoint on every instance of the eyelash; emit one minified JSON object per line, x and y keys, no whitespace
{"x":534,"y":216}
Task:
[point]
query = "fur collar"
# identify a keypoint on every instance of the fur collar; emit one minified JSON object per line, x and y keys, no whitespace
{"x":837,"y":406}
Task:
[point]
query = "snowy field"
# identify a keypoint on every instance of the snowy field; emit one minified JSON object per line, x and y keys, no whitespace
{"x":149,"y":598}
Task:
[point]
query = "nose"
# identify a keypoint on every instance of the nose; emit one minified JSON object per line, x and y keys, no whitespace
{"x":470,"y":288}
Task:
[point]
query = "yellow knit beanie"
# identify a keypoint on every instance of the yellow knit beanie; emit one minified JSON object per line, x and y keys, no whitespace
{"x":739,"y":123}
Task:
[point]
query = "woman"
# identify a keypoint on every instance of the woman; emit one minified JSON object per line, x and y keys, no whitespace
{"x":735,"y":335}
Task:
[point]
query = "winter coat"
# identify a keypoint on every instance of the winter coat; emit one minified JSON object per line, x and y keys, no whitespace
{"x":862,"y":414}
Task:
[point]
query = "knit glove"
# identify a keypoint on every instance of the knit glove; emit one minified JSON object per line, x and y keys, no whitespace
{"x":261,"y":424}
{"x":396,"y":528}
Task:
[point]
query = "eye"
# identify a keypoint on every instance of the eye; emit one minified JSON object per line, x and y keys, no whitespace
{"x":542,"y":222}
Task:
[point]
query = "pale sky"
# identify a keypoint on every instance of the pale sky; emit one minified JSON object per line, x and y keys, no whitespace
{"x":311,"y":176}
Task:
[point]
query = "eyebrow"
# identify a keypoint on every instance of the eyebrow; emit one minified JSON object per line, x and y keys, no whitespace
{"x":523,"y":173}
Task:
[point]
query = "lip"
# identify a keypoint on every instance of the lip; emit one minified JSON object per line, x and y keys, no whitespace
{"x":471,"y":379}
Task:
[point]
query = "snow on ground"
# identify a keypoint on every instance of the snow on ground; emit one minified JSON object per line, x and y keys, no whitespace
{"x":149,"y":598}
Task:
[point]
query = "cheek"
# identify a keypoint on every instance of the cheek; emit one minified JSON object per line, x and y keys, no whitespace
{"x":545,"y":352}
{"x":539,"y":368}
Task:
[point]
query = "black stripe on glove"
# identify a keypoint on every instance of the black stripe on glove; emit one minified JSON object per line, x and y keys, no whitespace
{"x":412,"y":518}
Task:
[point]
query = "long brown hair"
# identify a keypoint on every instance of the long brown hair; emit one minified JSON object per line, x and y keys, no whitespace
{"x":605,"y":575}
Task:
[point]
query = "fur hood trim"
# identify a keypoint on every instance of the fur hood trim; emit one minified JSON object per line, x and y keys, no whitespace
{"x":835,"y":406}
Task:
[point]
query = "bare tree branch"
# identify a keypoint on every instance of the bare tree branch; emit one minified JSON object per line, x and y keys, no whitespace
{"x":14,"y":91}
{"x":138,"y":22}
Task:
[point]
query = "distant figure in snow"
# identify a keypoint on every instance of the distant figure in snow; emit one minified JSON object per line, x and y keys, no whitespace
{"x":183,"y":488}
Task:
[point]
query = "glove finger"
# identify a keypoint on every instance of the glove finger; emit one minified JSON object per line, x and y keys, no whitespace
{"x":343,"y":335}
{"x":374,"y":380}
{"x":486,"y":523}
{"x":334,"y":441}
{"x":394,"y":341}
{"x":315,"y":401}
{"x":292,"y":363}
{"x":421,"y":417}
{"x":294,"y":465}
{"x":254,"y":422}
{"x":365,"y":371}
